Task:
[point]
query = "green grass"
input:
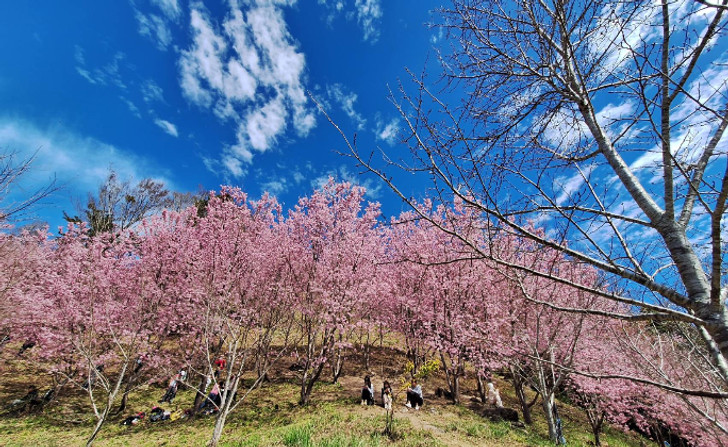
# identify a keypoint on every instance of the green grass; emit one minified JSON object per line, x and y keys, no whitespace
{"x":298,"y":436}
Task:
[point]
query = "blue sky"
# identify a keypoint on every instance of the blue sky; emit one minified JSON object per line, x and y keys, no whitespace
{"x":202,"y":92}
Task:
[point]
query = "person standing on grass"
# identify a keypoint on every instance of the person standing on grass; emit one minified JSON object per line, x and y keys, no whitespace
{"x":221,"y":363}
{"x":414,"y":396}
{"x":387,"y":395}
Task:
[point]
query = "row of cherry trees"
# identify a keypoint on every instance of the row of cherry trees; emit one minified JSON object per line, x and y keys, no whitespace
{"x":243,"y":279}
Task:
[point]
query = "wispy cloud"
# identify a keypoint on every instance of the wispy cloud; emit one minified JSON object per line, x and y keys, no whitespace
{"x":346,"y":100}
{"x":108,"y":74}
{"x":156,"y":28}
{"x":132,"y":107}
{"x":155,"y":24}
{"x":151,"y":92}
{"x":387,"y":132}
{"x":342,"y":173}
{"x":79,"y":163}
{"x":170,"y":8}
{"x":368,"y":13}
{"x":275,"y":187}
{"x":248,"y":71}
{"x":167,"y":127}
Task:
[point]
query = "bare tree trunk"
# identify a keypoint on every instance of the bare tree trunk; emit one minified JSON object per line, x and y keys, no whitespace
{"x":226,"y":406}
{"x":124,"y":401}
{"x":201,"y":393}
{"x":99,"y":424}
{"x":367,"y":352}
{"x":518,"y":384}
{"x":452,"y":376}
{"x":217,"y":431}
{"x":481,"y":389}
{"x":111,"y":397}
{"x":547,"y":403}
{"x":337,"y":366}
{"x":307,"y":386}
{"x":596,"y":420}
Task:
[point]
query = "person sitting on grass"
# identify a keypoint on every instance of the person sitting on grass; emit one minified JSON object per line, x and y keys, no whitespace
{"x":493,"y":396}
{"x":214,"y":399}
{"x":367,"y":393}
{"x":387,"y":395}
{"x":414,"y":396}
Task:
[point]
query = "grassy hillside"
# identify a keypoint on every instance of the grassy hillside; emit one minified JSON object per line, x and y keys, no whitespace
{"x":271,"y":417}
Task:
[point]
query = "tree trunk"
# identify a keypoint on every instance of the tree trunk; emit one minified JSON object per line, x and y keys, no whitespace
{"x":367,"y":353}
{"x":521,"y":394}
{"x":201,"y":393}
{"x":456,"y":389}
{"x":451,"y":376}
{"x":307,"y":386}
{"x":482,"y":395}
{"x":338,"y":366}
{"x":124,"y":401}
{"x":597,"y":432}
{"x":226,"y":404}
{"x":548,"y":408}
{"x":219,"y":425}
{"x":109,"y":402}
{"x":303,"y":399}
{"x":596,"y":420}
{"x":99,"y":424}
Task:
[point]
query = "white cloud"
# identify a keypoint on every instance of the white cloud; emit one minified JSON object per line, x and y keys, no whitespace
{"x":618,"y":31}
{"x":298,"y":177}
{"x":156,"y":28}
{"x":167,"y":127}
{"x":567,"y":187}
{"x":170,"y":8}
{"x":387,"y":132}
{"x":367,"y":13}
{"x":263,"y":125}
{"x":437,"y":36}
{"x":275,"y":187}
{"x":346,"y":101}
{"x":696,"y":124}
{"x":249,"y":71}
{"x":152,"y":92}
{"x":156,"y":25}
{"x":108,"y":74}
{"x":132,"y":107}
{"x":78,"y":162}
{"x":233,"y":164}
{"x":342,"y":173}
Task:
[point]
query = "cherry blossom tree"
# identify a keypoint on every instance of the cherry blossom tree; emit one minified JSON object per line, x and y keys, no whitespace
{"x":631,"y":381}
{"x":546,"y":340}
{"x":447,"y":305}
{"x":94,"y":307}
{"x":18,"y":256}
{"x":331,"y":248}
{"x":242,"y":298}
